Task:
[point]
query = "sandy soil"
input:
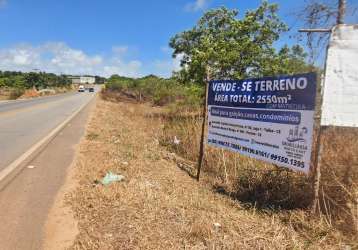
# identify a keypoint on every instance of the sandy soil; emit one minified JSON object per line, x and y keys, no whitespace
{"x":61,"y":226}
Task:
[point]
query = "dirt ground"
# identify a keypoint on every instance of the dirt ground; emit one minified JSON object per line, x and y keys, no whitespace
{"x":158,"y":205}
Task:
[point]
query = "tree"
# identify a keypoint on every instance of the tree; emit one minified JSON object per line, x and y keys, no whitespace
{"x":33,"y":80}
{"x":16,"y":81}
{"x":232,"y":47}
{"x":100,"y":79}
{"x":288,"y":61}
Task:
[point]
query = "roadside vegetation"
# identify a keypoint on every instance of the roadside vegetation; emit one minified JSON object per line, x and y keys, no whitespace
{"x":16,"y":84}
{"x":159,"y":91}
{"x":223,"y":46}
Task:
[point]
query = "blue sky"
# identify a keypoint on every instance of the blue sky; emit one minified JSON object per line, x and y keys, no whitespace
{"x":105,"y":36}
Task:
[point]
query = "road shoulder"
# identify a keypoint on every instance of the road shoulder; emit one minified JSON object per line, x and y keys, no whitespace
{"x":61,"y":227}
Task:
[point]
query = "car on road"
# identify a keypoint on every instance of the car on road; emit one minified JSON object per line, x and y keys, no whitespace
{"x":91,"y":89}
{"x":81,"y":88}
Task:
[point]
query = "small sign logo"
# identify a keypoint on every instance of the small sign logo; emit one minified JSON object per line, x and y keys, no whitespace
{"x":297,"y":134}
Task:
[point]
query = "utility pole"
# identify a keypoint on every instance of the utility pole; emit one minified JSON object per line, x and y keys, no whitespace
{"x":341,"y":11}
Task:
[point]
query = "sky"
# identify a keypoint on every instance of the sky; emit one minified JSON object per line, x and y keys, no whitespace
{"x":105,"y":37}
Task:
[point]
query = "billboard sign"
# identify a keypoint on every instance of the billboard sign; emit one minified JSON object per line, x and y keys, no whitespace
{"x":269,"y":118}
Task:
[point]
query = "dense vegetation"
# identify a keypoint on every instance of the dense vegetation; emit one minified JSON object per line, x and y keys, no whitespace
{"x":14,"y":84}
{"x":40,"y":80}
{"x":159,"y":91}
{"x":13,"y":79}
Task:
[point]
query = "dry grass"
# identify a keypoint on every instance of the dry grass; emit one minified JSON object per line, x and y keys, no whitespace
{"x":4,"y":94}
{"x":245,"y":178}
{"x":30,"y":93}
{"x":339,"y":189}
{"x":159,"y":206}
{"x":267,"y":187}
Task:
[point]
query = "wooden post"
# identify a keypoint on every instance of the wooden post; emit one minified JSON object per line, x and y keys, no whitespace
{"x":202,"y":143}
{"x":341,"y":11}
{"x":315,"y":30}
{"x":319,"y":148}
{"x":317,"y":170}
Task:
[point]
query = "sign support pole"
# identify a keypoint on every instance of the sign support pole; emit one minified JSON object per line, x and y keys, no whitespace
{"x":319,"y":148}
{"x":317,"y":171}
{"x":202,"y":143}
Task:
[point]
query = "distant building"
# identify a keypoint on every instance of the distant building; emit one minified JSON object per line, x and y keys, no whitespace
{"x":83,"y":79}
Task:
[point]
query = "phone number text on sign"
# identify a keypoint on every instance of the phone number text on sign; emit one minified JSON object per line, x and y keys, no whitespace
{"x":270,"y":118}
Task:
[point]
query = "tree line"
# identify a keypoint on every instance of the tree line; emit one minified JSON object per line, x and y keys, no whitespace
{"x":38,"y":80}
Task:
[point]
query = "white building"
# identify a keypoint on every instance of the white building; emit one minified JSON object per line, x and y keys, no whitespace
{"x":83,"y":79}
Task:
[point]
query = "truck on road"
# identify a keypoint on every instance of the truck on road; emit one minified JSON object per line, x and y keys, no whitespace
{"x":81,"y":88}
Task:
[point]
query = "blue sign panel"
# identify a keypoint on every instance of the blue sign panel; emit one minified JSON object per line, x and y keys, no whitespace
{"x":295,"y":92}
{"x":268,"y":118}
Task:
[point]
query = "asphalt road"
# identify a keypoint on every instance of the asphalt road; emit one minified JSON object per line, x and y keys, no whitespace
{"x":25,"y":202}
{"x":25,"y":122}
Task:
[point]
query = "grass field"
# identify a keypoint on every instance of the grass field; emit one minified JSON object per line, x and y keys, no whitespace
{"x":240,"y":203}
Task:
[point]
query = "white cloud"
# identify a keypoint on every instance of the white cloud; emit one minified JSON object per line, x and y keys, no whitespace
{"x":22,"y":56}
{"x":120,"y":50}
{"x":66,"y":57}
{"x":58,"y":57}
{"x":166,"y":67}
{"x":131,"y":69}
{"x":197,"y":5}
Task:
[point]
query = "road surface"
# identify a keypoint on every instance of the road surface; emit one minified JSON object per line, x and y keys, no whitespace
{"x":25,"y":122}
{"x":25,"y":202}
